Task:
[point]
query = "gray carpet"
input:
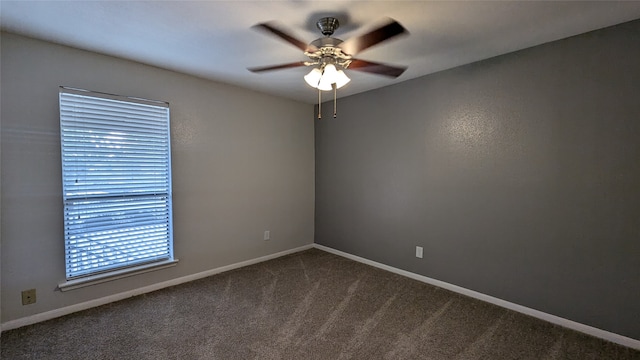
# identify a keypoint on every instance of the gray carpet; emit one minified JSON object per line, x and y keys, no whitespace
{"x":310,"y":305}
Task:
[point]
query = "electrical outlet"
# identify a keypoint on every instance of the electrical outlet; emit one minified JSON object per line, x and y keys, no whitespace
{"x":29,"y":297}
{"x":267,"y":235}
{"x":419,"y":252}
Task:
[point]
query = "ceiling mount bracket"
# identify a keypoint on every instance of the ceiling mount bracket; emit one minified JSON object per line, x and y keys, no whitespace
{"x":328,"y":25}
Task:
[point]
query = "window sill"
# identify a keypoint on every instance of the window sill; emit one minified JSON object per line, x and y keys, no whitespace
{"x":114,"y":275}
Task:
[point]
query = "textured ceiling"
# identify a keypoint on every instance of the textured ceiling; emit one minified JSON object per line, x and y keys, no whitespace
{"x":214,"y":39}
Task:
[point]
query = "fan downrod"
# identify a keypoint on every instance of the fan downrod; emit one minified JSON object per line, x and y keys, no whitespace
{"x":328,"y":25}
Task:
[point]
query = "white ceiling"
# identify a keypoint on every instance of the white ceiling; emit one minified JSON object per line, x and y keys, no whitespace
{"x":214,"y":39}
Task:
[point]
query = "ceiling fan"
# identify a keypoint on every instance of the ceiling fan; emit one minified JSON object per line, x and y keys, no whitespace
{"x":330,"y":56}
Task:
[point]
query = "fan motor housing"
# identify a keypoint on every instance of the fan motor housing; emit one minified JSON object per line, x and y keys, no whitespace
{"x":326,"y":41}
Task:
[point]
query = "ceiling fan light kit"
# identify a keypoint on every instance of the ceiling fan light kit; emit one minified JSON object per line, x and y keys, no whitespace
{"x":324,"y":77}
{"x":331,"y":56}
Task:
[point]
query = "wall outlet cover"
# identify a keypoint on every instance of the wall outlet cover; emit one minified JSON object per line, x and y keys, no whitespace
{"x":29,"y":297}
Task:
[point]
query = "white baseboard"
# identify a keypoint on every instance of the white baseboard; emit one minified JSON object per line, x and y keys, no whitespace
{"x":590,"y":330}
{"x":48,"y":315}
{"x":603,"y":334}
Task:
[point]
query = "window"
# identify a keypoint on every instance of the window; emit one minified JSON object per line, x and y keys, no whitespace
{"x":116,"y":180}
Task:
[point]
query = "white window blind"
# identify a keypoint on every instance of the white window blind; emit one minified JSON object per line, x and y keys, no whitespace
{"x":116,"y":176}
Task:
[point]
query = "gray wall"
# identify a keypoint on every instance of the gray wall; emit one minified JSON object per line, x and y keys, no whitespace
{"x":242,"y":164}
{"x":519,"y":175}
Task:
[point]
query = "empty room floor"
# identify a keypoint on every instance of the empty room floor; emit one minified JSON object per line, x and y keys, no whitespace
{"x":309,"y":305}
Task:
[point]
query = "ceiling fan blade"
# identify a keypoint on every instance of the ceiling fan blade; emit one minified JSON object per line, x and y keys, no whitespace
{"x":376,"y":68}
{"x":272,"y":28}
{"x":277,"y":67}
{"x":355,"y":45}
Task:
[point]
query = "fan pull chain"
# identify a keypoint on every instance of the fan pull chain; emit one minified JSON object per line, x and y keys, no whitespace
{"x":319,"y":104}
{"x":335,"y":100}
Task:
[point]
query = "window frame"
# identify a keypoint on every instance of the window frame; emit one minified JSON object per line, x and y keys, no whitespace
{"x":124,"y":267}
